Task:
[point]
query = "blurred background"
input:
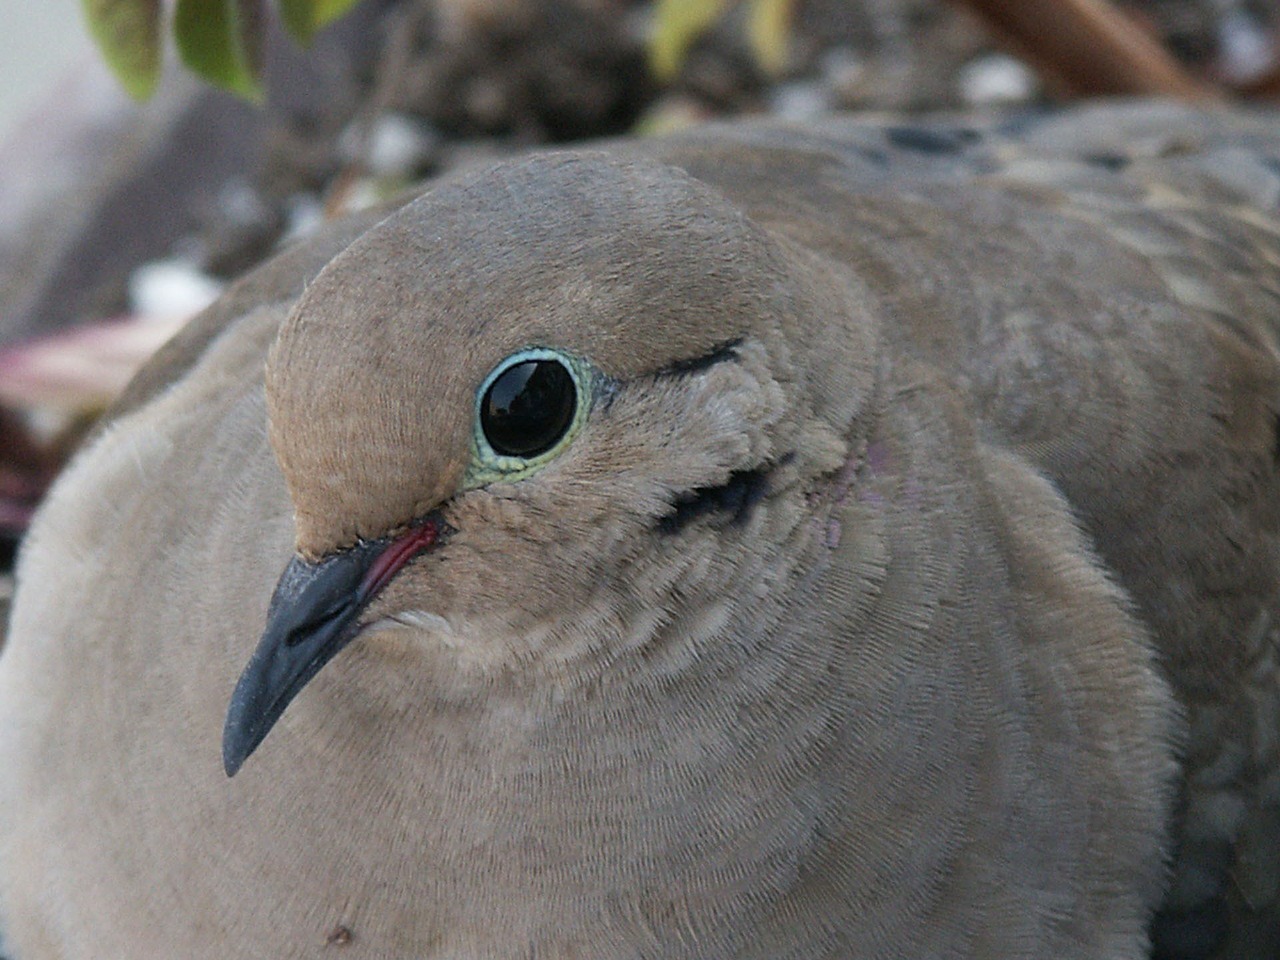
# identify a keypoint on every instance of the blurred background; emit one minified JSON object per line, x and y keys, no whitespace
{"x":39,"y":43}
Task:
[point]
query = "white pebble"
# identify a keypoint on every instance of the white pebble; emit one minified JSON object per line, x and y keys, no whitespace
{"x":400,"y":146}
{"x":165,"y":289}
{"x":996,"y":79}
{"x":799,"y":100}
{"x":1244,"y":47}
{"x":303,"y":213}
{"x":842,"y":68}
{"x":241,"y":204}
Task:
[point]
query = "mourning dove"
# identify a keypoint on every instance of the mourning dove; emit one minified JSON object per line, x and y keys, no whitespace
{"x":829,"y":541}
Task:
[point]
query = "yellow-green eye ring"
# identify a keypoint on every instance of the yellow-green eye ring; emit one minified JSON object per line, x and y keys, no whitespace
{"x":527,"y":408}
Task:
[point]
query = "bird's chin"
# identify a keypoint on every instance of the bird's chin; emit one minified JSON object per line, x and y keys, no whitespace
{"x":418,"y":621}
{"x":422,"y":663}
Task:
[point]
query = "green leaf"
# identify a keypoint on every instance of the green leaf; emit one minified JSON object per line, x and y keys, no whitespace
{"x":677,"y":24}
{"x":769,"y":31}
{"x":304,"y":17}
{"x":296,"y":15}
{"x":128,"y":34}
{"x":222,"y":41}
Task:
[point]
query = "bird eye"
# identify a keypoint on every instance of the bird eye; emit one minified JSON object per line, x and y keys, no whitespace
{"x":528,"y":407}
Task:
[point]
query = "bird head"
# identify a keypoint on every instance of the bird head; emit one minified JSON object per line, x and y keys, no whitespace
{"x":541,"y":411}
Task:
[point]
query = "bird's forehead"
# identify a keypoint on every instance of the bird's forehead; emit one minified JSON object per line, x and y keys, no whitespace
{"x":630,"y":265}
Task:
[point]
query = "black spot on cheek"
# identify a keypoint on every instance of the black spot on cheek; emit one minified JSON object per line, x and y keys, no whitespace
{"x":735,"y":499}
{"x":1275,"y":438}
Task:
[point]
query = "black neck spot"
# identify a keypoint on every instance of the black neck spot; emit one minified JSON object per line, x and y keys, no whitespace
{"x":735,"y":500}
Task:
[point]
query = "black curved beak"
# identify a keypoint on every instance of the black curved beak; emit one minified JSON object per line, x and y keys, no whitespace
{"x":314,"y":613}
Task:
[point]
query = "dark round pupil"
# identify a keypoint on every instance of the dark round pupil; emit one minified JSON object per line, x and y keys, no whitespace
{"x":528,"y":408}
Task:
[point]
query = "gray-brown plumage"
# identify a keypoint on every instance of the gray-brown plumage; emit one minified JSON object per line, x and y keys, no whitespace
{"x":854,"y":540}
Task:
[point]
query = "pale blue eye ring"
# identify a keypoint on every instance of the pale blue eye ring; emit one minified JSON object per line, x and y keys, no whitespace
{"x":527,"y":409}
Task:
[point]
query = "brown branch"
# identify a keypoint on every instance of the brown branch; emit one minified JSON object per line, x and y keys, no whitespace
{"x":1089,"y":48}
{"x":1265,"y":87}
